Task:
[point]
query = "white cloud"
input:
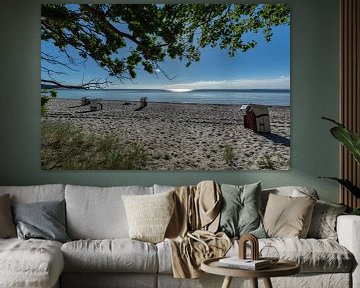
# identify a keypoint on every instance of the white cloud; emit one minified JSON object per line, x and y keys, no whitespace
{"x":281,"y":82}
{"x":266,"y":83}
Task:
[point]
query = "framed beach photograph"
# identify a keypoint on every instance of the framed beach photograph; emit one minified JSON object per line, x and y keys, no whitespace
{"x":165,"y":87}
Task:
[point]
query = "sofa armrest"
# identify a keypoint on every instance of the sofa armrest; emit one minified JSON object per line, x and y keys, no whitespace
{"x":348,"y":230}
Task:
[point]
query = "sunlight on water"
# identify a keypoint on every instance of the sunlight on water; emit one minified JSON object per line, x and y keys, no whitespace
{"x":239,"y":97}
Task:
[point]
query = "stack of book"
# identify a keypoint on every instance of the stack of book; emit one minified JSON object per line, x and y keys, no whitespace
{"x":248,"y":264}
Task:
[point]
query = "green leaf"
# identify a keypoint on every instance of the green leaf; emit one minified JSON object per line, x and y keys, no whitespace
{"x":347,"y":184}
{"x":349,"y":139}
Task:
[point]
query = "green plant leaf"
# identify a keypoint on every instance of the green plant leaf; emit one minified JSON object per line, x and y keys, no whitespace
{"x":349,"y":139}
{"x":347,"y":184}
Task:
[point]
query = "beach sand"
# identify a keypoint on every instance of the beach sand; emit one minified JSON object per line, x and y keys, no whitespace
{"x":185,"y":136}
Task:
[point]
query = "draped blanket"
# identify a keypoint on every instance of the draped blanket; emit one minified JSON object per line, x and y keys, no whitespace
{"x":191,"y":231}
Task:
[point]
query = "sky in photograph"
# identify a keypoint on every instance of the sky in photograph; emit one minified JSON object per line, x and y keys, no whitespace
{"x":267,"y":66}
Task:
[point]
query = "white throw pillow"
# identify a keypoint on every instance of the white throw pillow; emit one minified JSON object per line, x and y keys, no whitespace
{"x":149,"y":215}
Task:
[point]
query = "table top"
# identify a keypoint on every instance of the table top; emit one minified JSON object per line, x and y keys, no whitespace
{"x":281,"y":268}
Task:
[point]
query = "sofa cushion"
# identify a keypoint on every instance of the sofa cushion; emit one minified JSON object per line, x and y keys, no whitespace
{"x":149,"y":215}
{"x":117,"y":255}
{"x":287,"y":216}
{"x":291,"y":191}
{"x":7,"y":226}
{"x":43,"y":220}
{"x":323,"y":222}
{"x":30,"y":263}
{"x":313,"y":255}
{"x":109,"y":280}
{"x":163,"y":188}
{"x":36,"y":193}
{"x":240,"y":210}
{"x":98,"y":213}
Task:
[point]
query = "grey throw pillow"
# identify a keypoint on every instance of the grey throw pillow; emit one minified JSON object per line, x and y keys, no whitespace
{"x":7,"y":227}
{"x":44,"y":220}
{"x":323,"y":222}
{"x":240,"y":213}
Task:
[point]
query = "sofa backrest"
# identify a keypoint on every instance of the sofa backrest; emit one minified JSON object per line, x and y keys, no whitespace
{"x":293,"y":191}
{"x":98,"y":212}
{"x":162,"y":188}
{"x":36,"y":193}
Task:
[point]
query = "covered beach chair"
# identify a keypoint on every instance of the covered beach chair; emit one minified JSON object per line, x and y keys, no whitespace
{"x":85,"y":101}
{"x":96,"y":104}
{"x":256,"y":118}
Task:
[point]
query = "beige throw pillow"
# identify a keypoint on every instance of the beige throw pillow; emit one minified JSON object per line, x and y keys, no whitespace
{"x":288,"y":217}
{"x":149,"y":215}
{"x":7,"y":226}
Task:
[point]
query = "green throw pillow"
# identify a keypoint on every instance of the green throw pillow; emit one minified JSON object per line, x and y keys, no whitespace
{"x":323,"y":222}
{"x":240,"y":213}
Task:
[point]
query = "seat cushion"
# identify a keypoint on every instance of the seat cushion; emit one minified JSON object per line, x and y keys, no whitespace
{"x":98,"y":213}
{"x":313,"y":255}
{"x":30,"y":263}
{"x":108,"y":280}
{"x":117,"y":255}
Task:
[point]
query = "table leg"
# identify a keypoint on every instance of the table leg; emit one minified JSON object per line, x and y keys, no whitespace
{"x":254,"y":282}
{"x":267,"y":283}
{"x":227,"y":282}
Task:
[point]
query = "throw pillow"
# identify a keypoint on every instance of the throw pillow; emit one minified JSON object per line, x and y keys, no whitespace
{"x":288,"y":217}
{"x":240,"y":213}
{"x":7,"y":227}
{"x":44,"y":220}
{"x":323,"y":222}
{"x":149,"y":215}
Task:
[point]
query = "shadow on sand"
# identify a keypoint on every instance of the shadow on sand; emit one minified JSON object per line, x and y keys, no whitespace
{"x":277,"y":138}
{"x":86,"y":111}
{"x":139,"y":108}
{"x":77,"y":106}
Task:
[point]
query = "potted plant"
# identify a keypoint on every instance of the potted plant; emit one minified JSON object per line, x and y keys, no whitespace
{"x":351,"y":141}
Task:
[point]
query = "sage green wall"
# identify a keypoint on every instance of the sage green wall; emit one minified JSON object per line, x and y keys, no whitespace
{"x":314,"y":86}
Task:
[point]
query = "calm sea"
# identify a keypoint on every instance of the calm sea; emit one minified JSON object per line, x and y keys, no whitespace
{"x":241,"y":96}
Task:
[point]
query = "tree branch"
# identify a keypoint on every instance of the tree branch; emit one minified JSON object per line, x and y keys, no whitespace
{"x":91,"y":84}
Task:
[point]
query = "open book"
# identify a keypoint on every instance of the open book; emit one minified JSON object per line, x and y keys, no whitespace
{"x":236,"y":262}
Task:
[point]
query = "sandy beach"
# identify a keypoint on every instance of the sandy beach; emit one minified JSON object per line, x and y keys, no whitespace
{"x":185,"y":136}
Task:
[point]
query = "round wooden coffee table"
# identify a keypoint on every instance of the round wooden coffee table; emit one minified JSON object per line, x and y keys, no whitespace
{"x":281,"y":268}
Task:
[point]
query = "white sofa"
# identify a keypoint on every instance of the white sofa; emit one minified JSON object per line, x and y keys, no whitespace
{"x":101,"y":254}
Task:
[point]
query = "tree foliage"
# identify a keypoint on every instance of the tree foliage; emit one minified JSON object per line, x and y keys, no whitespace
{"x":121,"y":38}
